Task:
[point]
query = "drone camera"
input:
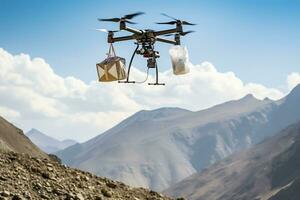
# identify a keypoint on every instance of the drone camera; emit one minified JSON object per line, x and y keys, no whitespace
{"x":151,"y":63}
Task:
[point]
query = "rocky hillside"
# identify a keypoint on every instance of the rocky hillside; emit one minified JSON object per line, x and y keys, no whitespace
{"x":26,"y":177}
{"x":268,"y":171}
{"x":46,"y":143}
{"x":13,"y":139}
{"x":161,"y":147}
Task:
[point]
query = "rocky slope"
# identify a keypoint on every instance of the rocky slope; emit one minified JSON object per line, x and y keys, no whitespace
{"x":161,"y":147}
{"x":268,"y":171}
{"x":13,"y":139}
{"x":46,"y":143}
{"x":26,"y":177}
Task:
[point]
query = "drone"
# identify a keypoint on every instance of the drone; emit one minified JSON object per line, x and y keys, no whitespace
{"x":146,"y":39}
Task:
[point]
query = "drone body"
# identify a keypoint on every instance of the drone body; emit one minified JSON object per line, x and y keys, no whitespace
{"x":145,"y":40}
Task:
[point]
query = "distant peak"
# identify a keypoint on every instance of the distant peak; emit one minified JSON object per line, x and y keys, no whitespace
{"x":163,"y":110}
{"x":294,"y":94}
{"x":33,"y":130}
{"x":267,"y":99}
{"x":249,"y":97}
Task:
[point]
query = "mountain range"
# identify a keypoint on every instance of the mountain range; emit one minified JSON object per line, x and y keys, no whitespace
{"x":158,"y":148}
{"x":46,"y":143}
{"x":268,"y":171}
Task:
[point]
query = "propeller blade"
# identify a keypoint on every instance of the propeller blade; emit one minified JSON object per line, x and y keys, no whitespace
{"x":110,"y":20}
{"x":104,"y":30}
{"x":188,"y":23}
{"x":131,"y":16}
{"x":168,"y":35}
{"x":187,"y":32}
{"x":164,"y":14}
{"x":170,"y":22}
{"x":130,"y":22}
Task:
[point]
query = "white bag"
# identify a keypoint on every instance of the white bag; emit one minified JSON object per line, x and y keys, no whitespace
{"x":180,"y":59}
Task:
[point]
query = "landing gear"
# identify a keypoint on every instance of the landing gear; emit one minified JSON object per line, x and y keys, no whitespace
{"x":148,"y":52}
{"x":156,"y":74}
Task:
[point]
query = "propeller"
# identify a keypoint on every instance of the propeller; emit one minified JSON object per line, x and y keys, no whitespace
{"x":174,"y":21}
{"x":125,"y":18}
{"x":183,"y":33}
{"x":105,"y":30}
{"x":187,"y":32}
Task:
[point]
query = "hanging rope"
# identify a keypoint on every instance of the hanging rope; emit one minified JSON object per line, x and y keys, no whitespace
{"x":111,"y":51}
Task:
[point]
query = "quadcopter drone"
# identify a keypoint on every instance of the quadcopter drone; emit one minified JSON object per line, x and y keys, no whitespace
{"x":145,"y":39}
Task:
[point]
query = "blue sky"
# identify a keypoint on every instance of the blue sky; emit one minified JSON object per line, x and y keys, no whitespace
{"x":257,"y":40}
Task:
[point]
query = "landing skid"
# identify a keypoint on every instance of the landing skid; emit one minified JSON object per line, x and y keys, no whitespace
{"x":156,"y":84}
{"x":129,"y":67}
{"x":126,"y":81}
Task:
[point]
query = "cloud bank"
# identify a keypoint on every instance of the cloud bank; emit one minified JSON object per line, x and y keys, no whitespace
{"x":33,"y":95}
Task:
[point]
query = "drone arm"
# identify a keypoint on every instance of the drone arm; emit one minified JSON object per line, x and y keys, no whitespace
{"x":119,"y":39}
{"x":132,"y":30}
{"x":164,"y":32}
{"x":166,"y":41}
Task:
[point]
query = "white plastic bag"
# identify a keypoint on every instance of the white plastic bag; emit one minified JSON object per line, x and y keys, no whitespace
{"x":180,"y":59}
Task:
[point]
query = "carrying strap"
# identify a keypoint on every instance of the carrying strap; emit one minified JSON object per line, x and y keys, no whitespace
{"x":111,"y":51}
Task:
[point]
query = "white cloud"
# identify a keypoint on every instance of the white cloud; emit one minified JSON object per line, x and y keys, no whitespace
{"x":8,"y":113}
{"x":32,"y":95}
{"x":293,"y":79}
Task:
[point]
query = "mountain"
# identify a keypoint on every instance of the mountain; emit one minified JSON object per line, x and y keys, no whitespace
{"x":13,"y":139}
{"x":267,"y":171}
{"x":47,"y":143}
{"x":26,"y":177}
{"x":158,"y":148}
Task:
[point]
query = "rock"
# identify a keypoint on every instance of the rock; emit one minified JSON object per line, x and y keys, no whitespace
{"x":86,"y":178}
{"x":50,"y":169}
{"x":27,"y":195}
{"x":31,"y":178}
{"x":17,"y":197}
{"x":46,"y":175}
{"x":79,"y":197}
{"x":98,"y":198}
{"x":43,"y":196}
{"x":5,"y":193}
{"x":111,"y":185}
{"x":106,"y":193}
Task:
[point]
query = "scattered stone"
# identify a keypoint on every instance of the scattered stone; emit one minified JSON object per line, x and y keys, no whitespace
{"x":86,"y":178}
{"x":43,"y":196}
{"x":111,"y":185}
{"x":50,"y":169}
{"x":106,"y":193}
{"x":5,"y":193}
{"x":17,"y":197}
{"x":46,"y":175}
{"x":98,"y":198}
{"x":79,"y":197}
{"x":31,"y":178}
